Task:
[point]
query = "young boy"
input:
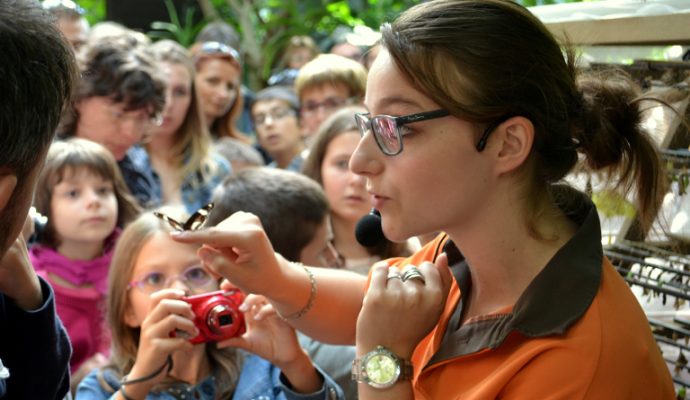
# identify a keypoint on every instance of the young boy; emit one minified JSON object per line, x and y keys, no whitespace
{"x":326,"y":84}
{"x":294,"y":213}
{"x":277,"y":127}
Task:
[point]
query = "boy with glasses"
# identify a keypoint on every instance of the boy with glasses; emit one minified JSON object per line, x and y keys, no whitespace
{"x":326,"y":84}
{"x":118,"y":102}
{"x":277,"y":126}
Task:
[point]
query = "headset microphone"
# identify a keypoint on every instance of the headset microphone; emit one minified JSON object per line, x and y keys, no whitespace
{"x":368,"y":230}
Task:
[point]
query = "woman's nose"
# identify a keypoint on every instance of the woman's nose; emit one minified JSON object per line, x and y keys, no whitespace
{"x":365,"y":159}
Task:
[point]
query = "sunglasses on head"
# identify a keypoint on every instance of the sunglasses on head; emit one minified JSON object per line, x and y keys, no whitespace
{"x":63,"y":4}
{"x":218,"y":48}
{"x":193,"y":223}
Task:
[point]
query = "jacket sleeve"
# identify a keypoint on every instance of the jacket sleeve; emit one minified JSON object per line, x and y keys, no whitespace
{"x":35,"y":348}
{"x":329,"y":390}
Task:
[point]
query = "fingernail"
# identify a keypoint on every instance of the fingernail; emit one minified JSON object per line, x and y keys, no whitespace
{"x":177,"y":234}
{"x":244,"y":307}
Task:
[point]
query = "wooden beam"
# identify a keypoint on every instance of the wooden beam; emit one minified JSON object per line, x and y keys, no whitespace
{"x":638,"y":30}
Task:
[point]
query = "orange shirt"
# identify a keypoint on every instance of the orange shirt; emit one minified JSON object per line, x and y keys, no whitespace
{"x":577,"y":332}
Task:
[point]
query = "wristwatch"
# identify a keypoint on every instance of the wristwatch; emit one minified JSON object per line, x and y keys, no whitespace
{"x":381,"y":368}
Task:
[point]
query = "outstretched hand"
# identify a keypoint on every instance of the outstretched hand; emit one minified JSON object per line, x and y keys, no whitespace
{"x":239,"y":250}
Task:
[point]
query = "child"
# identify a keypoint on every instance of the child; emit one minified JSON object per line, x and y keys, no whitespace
{"x":285,"y":200}
{"x":327,"y":164}
{"x":326,"y":84}
{"x":274,"y":114}
{"x":85,"y":199}
{"x":149,"y":276}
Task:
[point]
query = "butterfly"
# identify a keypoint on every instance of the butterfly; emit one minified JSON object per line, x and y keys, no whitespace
{"x":193,"y":223}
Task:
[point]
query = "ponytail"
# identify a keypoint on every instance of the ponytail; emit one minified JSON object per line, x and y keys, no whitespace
{"x":607,"y":125}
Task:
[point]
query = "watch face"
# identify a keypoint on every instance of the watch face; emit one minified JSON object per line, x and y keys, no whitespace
{"x":381,"y":369}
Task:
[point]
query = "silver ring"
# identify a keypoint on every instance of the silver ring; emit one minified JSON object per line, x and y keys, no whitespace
{"x":412,"y":274}
{"x":393,"y":273}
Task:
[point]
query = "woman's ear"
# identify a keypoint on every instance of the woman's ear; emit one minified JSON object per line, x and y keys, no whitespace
{"x":516,"y":138}
{"x":8,"y":183}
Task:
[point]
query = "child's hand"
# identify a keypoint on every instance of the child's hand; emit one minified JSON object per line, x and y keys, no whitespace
{"x":273,"y":339}
{"x":18,"y":280}
{"x":267,"y":335}
{"x":168,"y":313}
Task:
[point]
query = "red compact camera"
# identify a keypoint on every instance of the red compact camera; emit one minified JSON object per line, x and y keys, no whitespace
{"x":217,"y":315}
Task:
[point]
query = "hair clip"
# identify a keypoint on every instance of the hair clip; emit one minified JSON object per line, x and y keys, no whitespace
{"x":193,"y":223}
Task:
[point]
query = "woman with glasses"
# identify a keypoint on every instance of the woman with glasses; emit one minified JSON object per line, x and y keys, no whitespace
{"x":118,"y":101}
{"x":180,"y":147}
{"x":474,"y":118}
{"x":327,"y":164}
{"x":153,"y":354}
{"x":218,"y":84}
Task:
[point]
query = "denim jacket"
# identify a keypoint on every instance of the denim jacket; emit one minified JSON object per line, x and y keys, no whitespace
{"x":259,"y":380}
{"x":196,"y":193}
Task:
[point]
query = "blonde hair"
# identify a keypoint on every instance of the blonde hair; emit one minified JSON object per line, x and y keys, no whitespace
{"x":192,"y":141}
{"x":125,"y":339}
{"x":65,"y":158}
{"x":331,"y":69}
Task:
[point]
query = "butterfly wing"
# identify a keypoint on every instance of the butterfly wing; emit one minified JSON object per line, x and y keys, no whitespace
{"x":198,"y":219}
{"x":177,"y":225}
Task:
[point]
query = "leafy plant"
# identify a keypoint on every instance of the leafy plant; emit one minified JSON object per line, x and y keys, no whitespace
{"x":183,"y":32}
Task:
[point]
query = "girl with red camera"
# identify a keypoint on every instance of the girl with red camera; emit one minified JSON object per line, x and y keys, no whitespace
{"x":152,"y":323}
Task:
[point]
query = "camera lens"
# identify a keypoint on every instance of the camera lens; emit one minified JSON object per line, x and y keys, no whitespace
{"x":225,"y":320}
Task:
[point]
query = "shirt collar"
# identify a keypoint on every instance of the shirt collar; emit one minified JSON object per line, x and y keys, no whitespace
{"x":555,"y":299}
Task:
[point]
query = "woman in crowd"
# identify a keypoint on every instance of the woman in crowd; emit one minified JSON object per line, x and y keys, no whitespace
{"x":180,"y":148}
{"x":218,"y":84}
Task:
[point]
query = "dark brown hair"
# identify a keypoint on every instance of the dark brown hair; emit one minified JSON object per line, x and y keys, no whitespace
{"x":121,"y":69}
{"x":484,"y":60}
{"x":290,"y":206}
{"x":66,"y":158}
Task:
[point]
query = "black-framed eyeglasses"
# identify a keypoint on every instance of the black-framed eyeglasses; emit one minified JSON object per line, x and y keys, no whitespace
{"x":388,"y":131}
{"x":68,"y":5}
{"x":211,"y":48}
{"x":193,"y":223}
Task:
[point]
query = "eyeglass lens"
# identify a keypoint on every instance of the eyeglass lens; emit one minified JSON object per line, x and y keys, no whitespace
{"x":195,"y":277}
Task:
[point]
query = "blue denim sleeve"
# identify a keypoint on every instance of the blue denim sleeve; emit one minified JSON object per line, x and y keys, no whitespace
{"x":90,"y":388}
{"x":329,"y":390}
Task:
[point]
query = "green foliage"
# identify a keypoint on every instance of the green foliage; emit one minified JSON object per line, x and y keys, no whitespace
{"x":95,"y":10}
{"x":183,"y":32}
{"x":611,"y":204}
